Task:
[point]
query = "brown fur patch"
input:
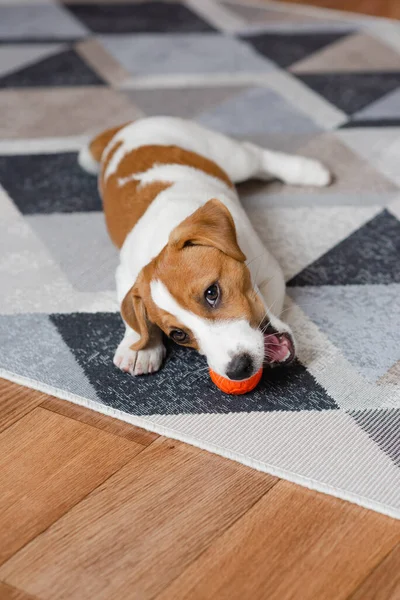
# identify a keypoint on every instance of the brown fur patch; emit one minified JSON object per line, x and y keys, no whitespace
{"x":179,"y":271}
{"x":125,"y":204}
{"x":143,"y":158}
{"x":98,"y":144}
{"x":210,"y":225}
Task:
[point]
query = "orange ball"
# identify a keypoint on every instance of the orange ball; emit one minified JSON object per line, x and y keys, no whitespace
{"x":236,"y":387}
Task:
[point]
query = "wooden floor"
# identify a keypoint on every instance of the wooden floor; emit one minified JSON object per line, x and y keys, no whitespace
{"x":95,"y":509}
{"x":378,"y":8}
{"x":92,"y":508}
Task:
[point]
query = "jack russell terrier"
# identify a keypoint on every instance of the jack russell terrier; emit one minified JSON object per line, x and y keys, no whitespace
{"x":191,"y":264}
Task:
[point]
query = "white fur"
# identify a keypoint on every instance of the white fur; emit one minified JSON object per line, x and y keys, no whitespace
{"x":240,"y":160}
{"x":139,"y":362}
{"x":219,"y":341}
{"x":87,"y":162}
{"x":191,"y":189}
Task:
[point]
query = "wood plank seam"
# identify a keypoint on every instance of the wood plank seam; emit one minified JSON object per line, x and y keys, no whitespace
{"x":144,"y":448}
{"x":216,"y":537}
{"x":10,"y":592}
{"x":46,"y":408}
{"x":395,"y":548}
{"x":106,"y":423}
{"x":187,"y":584}
{"x":16,"y":393}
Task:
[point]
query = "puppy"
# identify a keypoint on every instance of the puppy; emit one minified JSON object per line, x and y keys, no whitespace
{"x":191,"y":264}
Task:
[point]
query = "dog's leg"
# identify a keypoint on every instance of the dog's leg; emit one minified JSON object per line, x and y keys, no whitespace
{"x":140,"y":362}
{"x":289,"y":168}
{"x":136,"y":362}
{"x":244,"y":160}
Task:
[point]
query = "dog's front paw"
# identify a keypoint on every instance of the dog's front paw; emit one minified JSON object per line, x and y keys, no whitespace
{"x":139,"y":362}
{"x":314,"y":173}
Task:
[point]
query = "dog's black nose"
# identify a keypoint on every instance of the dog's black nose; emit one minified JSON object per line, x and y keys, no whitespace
{"x":240,"y":367}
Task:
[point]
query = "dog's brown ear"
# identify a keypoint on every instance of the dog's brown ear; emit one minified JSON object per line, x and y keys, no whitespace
{"x":133,"y":312}
{"x":210,"y":225}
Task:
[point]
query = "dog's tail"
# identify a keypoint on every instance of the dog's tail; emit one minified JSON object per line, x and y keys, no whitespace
{"x":89,"y":157}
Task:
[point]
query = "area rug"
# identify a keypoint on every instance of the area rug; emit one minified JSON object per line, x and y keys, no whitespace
{"x":323,"y":84}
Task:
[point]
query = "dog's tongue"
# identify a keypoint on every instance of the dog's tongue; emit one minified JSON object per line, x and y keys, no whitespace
{"x":278,"y":347}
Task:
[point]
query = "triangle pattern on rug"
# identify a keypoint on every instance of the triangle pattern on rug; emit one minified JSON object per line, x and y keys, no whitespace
{"x":392,"y":376}
{"x":51,"y":183}
{"x":368,"y":123}
{"x":41,"y":355}
{"x":351,"y":92}
{"x":382,"y":427}
{"x":245,"y":114}
{"x":267,"y":14}
{"x":183,"y":384}
{"x":14,"y":57}
{"x":387,"y":107}
{"x":63,"y":69}
{"x":184,"y":102}
{"x":379,"y":146}
{"x":385,"y":112}
{"x":363,"y":321}
{"x":358,"y":52}
{"x":346,"y":263}
{"x":288,"y":48}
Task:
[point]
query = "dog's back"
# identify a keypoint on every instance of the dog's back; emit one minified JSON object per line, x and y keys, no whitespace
{"x":126,"y":197}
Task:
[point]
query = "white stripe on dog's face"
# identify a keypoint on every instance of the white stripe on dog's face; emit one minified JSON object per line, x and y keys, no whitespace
{"x":220,"y":341}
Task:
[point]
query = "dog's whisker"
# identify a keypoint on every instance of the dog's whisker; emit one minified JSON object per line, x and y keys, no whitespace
{"x":253,"y":259}
{"x":272,"y":306}
{"x":256,"y":277}
{"x":262,"y":319}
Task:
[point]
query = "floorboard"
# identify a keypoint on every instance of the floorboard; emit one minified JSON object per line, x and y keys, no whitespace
{"x":378,"y":8}
{"x":294,"y":543}
{"x":8,"y":592}
{"x":138,"y":531}
{"x":48,"y":463}
{"x":15,"y":402}
{"x":383,"y":583}
{"x":95,"y":419}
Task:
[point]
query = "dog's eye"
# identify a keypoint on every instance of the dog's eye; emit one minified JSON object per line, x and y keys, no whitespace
{"x":179,"y":336}
{"x":212,"y":294}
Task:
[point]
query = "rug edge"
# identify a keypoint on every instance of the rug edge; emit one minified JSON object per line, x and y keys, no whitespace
{"x":149,"y":425}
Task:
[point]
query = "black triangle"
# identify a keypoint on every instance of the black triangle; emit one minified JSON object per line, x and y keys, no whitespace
{"x":382,"y":122}
{"x":183,"y":384}
{"x":371,"y":255}
{"x":351,"y":92}
{"x":382,"y":426}
{"x":48,"y":183}
{"x":63,"y":69}
{"x":288,"y":48}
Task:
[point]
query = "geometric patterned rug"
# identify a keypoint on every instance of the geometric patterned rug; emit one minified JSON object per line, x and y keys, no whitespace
{"x":320,"y":83}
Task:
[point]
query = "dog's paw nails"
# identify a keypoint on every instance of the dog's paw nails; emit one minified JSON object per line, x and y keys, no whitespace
{"x":141,"y":362}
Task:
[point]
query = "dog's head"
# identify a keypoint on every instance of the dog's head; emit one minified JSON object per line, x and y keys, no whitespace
{"x":198,"y":290}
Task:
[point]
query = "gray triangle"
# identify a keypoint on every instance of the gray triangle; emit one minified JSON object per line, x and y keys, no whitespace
{"x":30,"y":346}
{"x":185,"y":102}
